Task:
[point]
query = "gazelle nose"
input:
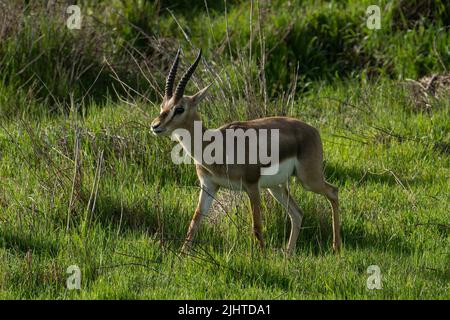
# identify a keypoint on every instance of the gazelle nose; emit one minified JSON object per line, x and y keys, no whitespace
{"x":155,"y":126}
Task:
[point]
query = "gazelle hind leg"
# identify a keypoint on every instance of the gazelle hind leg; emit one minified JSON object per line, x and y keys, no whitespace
{"x":312,"y":179}
{"x":281,"y":194}
{"x":332,"y":195}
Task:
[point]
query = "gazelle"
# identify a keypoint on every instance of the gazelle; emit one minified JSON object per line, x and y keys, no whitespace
{"x":300,"y":155}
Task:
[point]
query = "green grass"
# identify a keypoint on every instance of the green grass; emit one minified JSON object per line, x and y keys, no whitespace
{"x":84,"y":182}
{"x":394,"y":199}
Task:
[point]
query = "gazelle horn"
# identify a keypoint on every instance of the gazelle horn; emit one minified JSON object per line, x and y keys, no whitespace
{"x":184,"y":80}
{"x":168,"y":91}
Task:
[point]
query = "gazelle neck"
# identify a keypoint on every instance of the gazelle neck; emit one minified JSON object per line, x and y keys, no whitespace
{"x":195,"y":145}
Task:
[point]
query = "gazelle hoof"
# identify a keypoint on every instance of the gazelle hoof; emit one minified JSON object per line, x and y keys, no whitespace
{"x":185,"y":249}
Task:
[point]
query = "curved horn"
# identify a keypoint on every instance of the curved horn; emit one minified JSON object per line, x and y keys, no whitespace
{"x":184,"y":80}
{"x":168,"y":91}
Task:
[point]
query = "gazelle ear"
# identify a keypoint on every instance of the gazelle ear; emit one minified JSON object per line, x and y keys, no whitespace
{"x":199,"y":96}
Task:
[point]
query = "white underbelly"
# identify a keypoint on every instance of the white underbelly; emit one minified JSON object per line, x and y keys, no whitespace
{"x":280,"y":176}
{"x":285,"y":170}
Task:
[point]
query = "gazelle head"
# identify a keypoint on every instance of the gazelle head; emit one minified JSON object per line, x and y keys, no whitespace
{"x":177,"y":110}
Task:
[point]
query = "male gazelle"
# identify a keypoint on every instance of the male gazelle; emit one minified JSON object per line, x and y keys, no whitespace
{"x":300,"y":155}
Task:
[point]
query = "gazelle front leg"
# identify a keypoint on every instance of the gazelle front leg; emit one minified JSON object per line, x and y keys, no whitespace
{"x":255,"y":201}
{"x":204,"y":203}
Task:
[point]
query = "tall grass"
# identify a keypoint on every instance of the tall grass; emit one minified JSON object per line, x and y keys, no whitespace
{"x":286,"y":42}
{"x":83,"y":182}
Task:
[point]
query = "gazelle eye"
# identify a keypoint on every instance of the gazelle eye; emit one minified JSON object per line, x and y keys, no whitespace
{"x":178,"y":110}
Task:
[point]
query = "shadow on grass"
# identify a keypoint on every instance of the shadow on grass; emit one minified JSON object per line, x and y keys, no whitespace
{"x":168,"y":221}
{"x":26,"y":242}
{"x":316,"y":234}
{"x":259,"y":274}
{"x":341,"y":175}
{"x":436,"y":275}
{"x":165,"y":222}
{"x":358,"y":237}
{"x":123,"y":217}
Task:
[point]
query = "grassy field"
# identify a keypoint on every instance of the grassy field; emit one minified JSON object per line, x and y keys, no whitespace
{"x":83,"y":181}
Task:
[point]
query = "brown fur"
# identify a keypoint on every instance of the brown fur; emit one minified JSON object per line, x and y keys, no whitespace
{"x":297,"y":140}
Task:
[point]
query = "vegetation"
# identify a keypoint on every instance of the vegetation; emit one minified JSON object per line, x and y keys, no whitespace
{"x":83,"y":181}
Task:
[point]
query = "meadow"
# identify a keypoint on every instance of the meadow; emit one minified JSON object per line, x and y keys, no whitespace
{"x":83,"y":182}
